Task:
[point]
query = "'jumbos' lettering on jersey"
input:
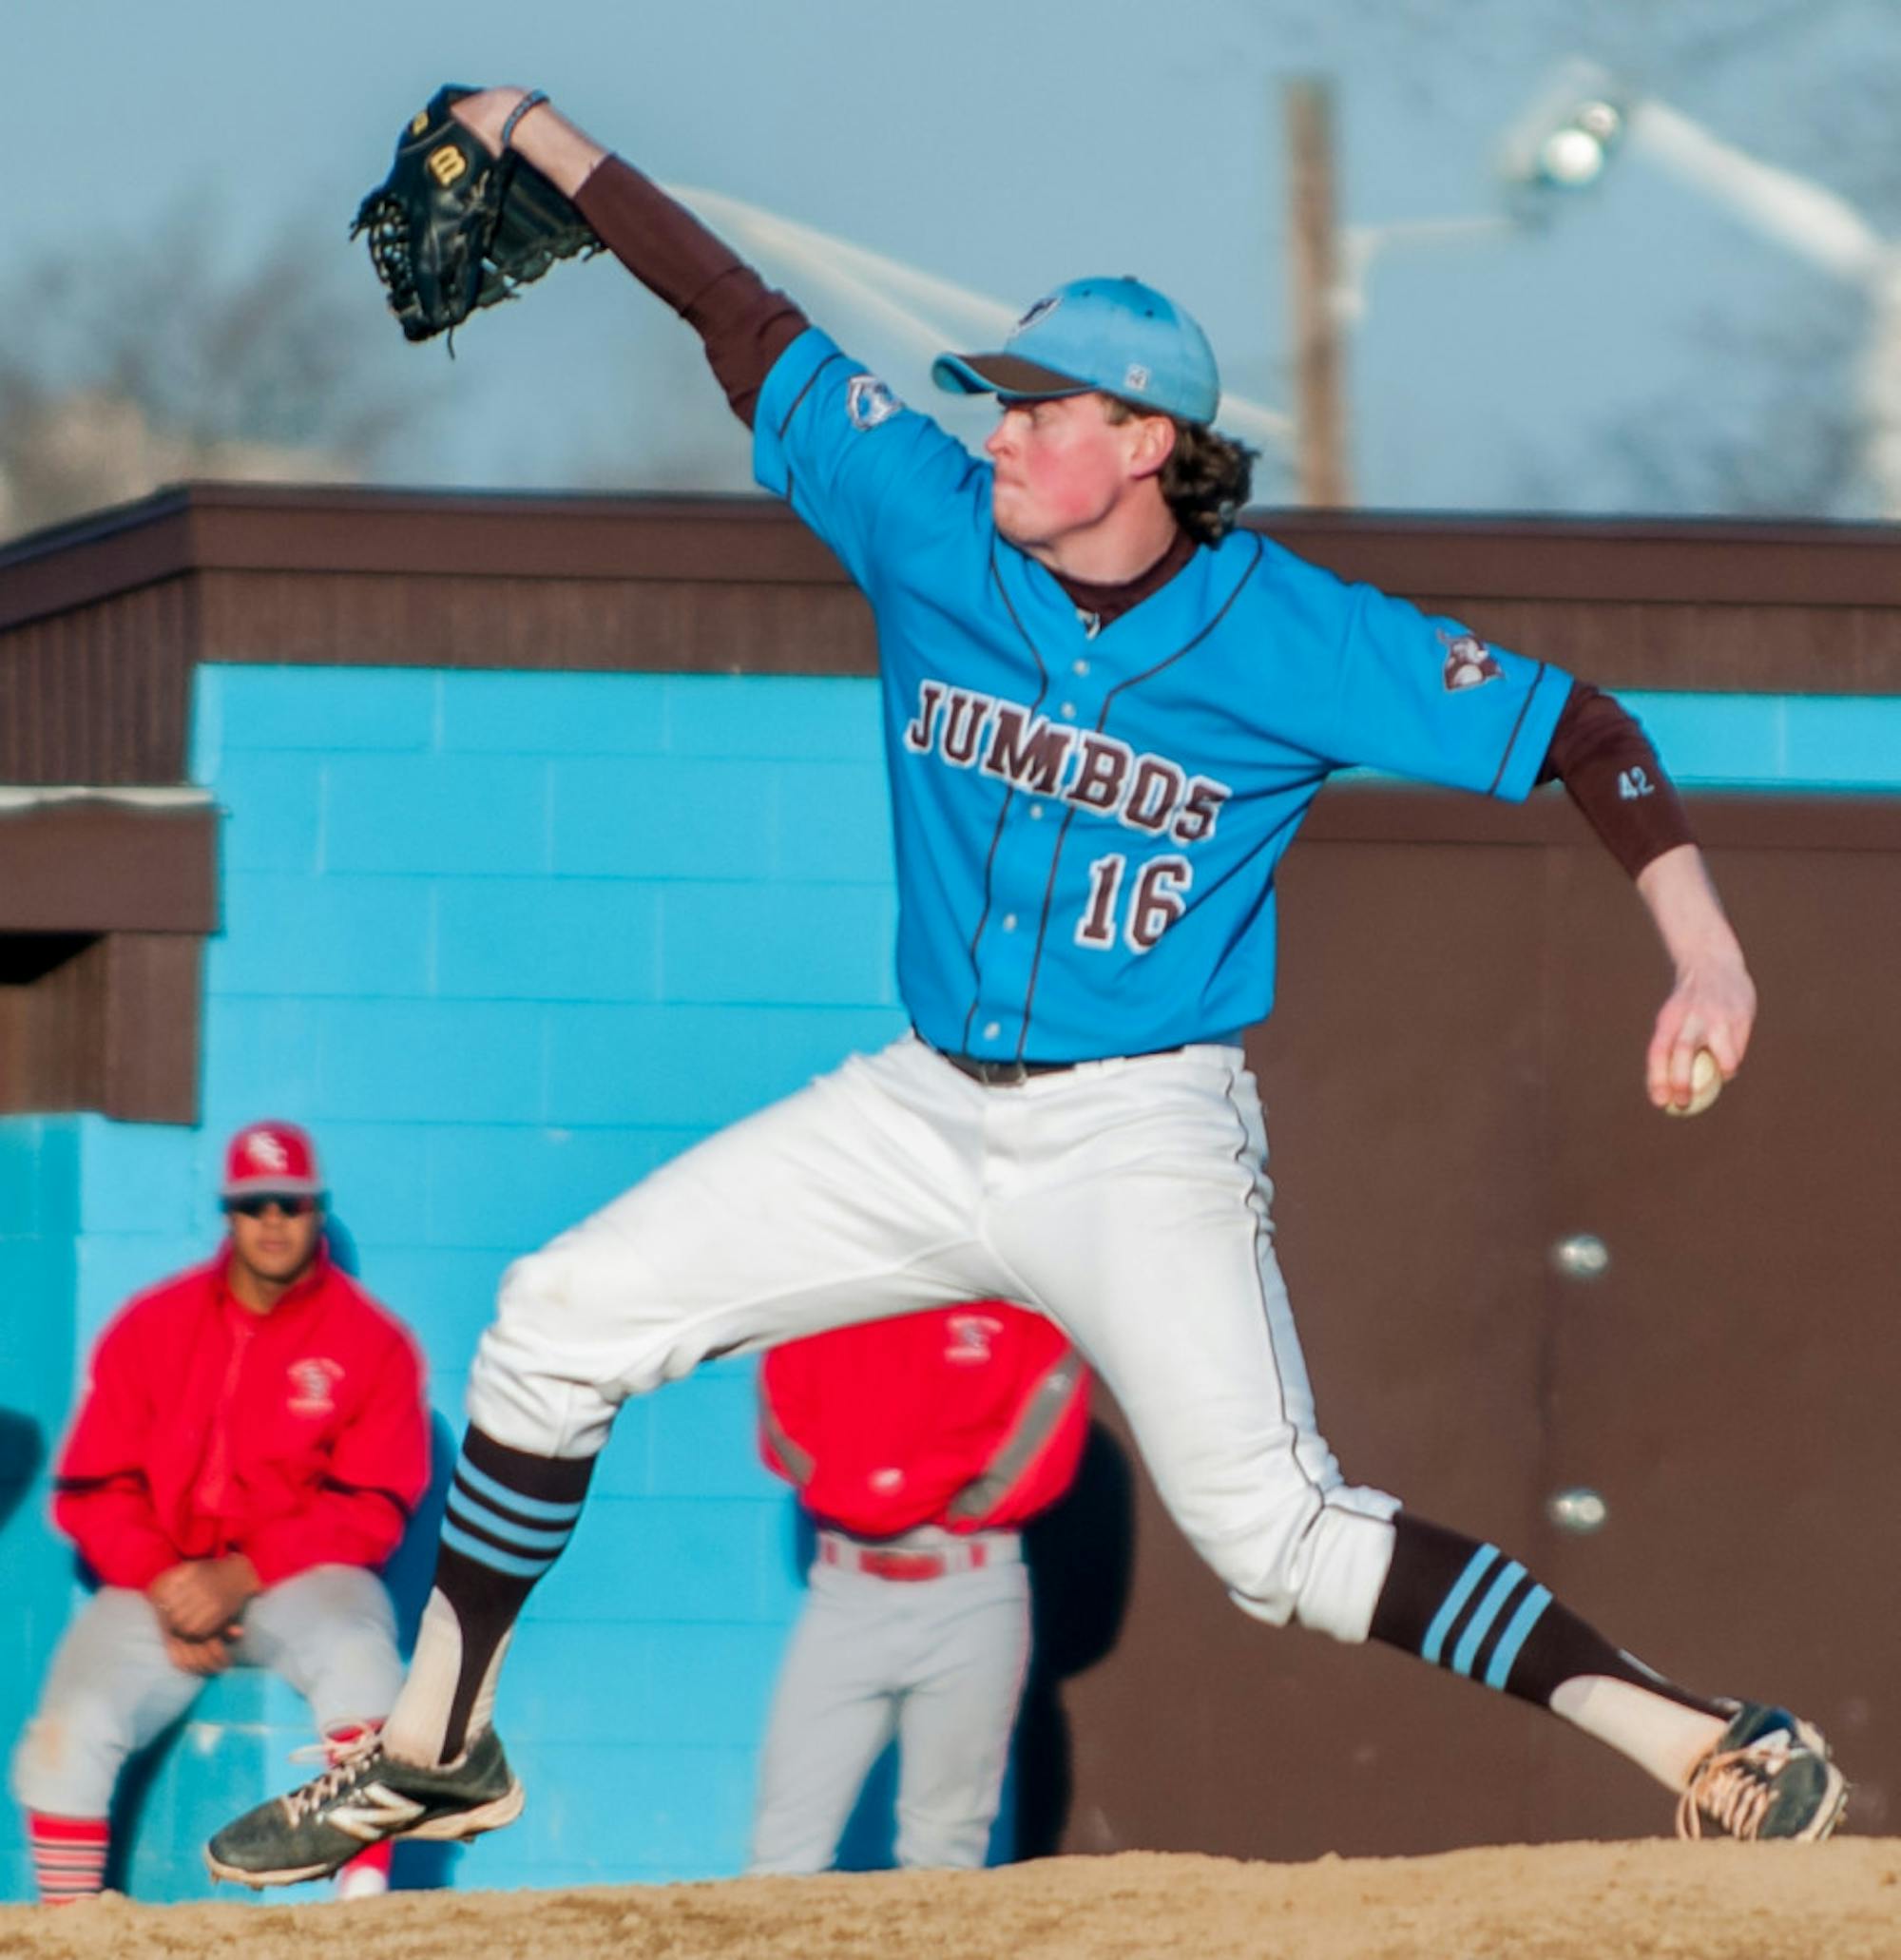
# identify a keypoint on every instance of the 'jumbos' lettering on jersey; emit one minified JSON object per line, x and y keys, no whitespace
{"x":1092,"y":771}
{"x":1102,"y":772}
{"x":1154,"y":795}
{"x":1027,"y":750}
{"x":964,"y":716}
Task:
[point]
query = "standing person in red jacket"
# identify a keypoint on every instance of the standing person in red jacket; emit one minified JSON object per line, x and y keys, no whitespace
{"x":920,"y":1445}
{"x":249,"y":1445}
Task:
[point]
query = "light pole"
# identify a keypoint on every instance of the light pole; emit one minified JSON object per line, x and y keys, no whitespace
{"x":1322,"y":476}
{"x":1579,"y":122}
{"x":1328,"y":268}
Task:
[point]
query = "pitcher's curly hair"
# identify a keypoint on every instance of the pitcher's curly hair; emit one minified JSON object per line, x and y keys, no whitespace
{"x":1206,"y":479}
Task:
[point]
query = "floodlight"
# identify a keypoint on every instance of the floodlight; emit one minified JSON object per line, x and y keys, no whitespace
{"x":1568,"y":132}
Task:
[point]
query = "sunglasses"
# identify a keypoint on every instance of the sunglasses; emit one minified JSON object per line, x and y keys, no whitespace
{"x":292,"y":1207}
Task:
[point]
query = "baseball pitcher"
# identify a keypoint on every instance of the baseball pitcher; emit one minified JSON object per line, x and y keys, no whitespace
{"x":1105,"y":711}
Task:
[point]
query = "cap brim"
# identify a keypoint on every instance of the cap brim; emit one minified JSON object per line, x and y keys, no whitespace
{"x":272,"y":1187}
{"x":1006,"y":374}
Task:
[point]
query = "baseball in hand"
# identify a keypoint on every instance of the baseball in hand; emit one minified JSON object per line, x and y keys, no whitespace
{"x":1707,"y":1082}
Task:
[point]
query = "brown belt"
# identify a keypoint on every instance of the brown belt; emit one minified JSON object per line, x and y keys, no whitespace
{"x":1012,"y":1075}
{"x":1002,"y":1075}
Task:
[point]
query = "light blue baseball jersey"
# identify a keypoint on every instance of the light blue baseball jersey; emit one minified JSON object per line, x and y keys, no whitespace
{"x":1088,"y":822}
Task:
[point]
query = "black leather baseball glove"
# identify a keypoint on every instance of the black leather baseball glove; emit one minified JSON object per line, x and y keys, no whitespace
{"x":453,"y":229}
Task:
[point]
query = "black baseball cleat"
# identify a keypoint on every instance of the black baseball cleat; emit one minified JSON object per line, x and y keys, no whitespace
{"x":1769,"y":1775}
{"x":362,"y":1799}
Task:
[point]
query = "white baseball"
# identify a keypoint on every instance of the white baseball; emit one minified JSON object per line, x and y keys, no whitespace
{"x":1705,"y":1086}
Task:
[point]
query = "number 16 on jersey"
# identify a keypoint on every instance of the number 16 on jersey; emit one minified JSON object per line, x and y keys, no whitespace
{"x":1156,"y":898}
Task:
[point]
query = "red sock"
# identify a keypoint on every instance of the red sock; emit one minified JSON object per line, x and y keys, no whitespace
{"x":374,"y":1857}
{"x":68,"y":1856}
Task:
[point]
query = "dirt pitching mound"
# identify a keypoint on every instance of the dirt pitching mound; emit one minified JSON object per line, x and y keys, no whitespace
{"x":1552,"y":1902}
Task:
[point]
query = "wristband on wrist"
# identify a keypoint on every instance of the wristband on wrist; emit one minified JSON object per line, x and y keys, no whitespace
{"x":532,"y":100}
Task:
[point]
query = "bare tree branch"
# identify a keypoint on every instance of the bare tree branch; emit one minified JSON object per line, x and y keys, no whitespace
{"x":136,"y":362}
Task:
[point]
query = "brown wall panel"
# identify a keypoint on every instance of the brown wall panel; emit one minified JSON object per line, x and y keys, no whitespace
{"x":652,"y":624}
{"x":1737,"y":648}
{"x":1453,"y":1082}
{"x":111,"y":1026}
{"x":99,"y":696}
{"x":48,"y":1014}
{"x":1360,"y":810}
{"x":1731,"y":1382}
{"x":103,"y":908}
{"x":148,"y":1028}
{"x":407,"y":534}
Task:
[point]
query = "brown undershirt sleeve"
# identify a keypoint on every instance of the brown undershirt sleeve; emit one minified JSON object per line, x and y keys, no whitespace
{"x":1602,"y":756}
{"x":746,"y":324}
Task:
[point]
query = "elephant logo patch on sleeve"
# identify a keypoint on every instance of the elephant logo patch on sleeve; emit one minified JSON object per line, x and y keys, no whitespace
{"x":1470,"y":663}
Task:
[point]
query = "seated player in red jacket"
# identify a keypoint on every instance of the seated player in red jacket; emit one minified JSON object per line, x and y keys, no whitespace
{"x":919,"y":1445}
{"x":250,"y":1442}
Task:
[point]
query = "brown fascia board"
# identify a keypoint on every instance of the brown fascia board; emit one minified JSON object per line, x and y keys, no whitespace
{"x":213,"y":527}
{"x":101,"y":863}
{"x":1600,"y":559}
{"x":69,"y":565}
{"x":199,"y":526}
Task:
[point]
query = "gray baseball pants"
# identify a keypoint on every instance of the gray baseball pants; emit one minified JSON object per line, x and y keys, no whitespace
{"x":110,"y":1690}
{"x":937,"y":1663}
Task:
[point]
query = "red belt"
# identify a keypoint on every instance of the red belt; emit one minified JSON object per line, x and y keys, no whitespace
{"x":889,"y":1562}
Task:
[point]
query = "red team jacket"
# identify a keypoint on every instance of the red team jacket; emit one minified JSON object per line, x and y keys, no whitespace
{"x":969,"y":1416}
{"x":298,"y":1437}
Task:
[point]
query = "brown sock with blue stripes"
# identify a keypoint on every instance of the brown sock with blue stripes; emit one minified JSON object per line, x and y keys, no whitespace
{"x":1468,"y":1607}
{"x":510,"y":1515}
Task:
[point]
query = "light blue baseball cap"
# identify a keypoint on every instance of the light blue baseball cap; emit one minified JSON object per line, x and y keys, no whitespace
{"x":1113,"y":336}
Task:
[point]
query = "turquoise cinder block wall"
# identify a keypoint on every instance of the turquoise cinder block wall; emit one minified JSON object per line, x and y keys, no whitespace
{"x":39,"y":1223}
{"x":505,"y":941}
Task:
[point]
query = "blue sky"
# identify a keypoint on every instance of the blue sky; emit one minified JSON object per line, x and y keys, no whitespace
{"x":1008,"y":144}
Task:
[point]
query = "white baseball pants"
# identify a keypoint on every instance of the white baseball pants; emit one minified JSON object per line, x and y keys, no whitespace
{"x":1128,"y":1200}
{"x":110,"y":1689}
{"x":937,"y":1663}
